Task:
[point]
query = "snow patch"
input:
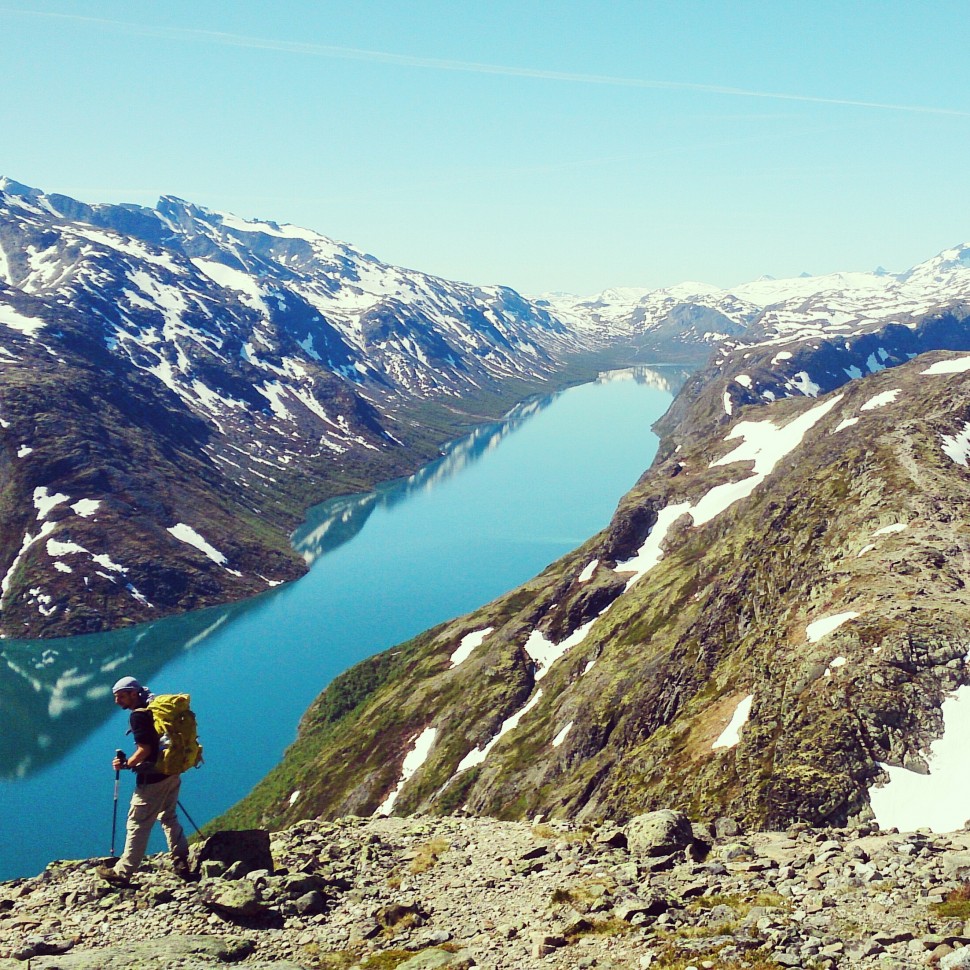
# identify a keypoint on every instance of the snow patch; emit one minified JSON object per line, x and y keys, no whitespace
{"x":477,"y":755}
{"x":44,"y":501}
{"x":881,"y":400}
{"x":731,"y":735}
{"x":650,"y":553}
{"x":545,"y":653}
{"x":826,"y":625}
{"x":185,"y":533}
{"x":957,"y":447}
{"x":847,"y":423}
{"x":886,"y":529}
{"x":412,"y":761}
{"x":86,"y":507}
{"x":30,"y":326}
{"x":233,"y":279}
{"x":834,"y":665}
{"x":956,"y":366}
{"x":587,"y":574}
{"x":804,"y":384}
{"x":561,"y":736}
{"x":56,"y":548}
{"x":936,"y":801}
{"x":468,"y":643}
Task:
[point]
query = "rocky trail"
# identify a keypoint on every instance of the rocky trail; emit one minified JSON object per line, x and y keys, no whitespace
{"x":423,"y":892}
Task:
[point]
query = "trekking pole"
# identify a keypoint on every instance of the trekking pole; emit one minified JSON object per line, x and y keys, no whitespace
{"x":189,"y":817}
{"x":120,"y":755}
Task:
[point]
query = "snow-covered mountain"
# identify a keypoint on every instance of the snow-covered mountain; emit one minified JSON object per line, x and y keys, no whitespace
{"x":177,"y":384}
{"x":263,"y":366}
{"x":155,"y":277}
{"x":801,"y":308}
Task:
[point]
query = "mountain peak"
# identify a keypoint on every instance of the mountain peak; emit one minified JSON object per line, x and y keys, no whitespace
{"x":18,"y":188}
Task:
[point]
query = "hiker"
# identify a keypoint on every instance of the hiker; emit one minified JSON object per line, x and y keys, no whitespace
{"x":155,"y":795}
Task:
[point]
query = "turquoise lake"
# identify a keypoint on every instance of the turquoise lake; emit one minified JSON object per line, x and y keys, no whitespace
{"x":499,"y":506}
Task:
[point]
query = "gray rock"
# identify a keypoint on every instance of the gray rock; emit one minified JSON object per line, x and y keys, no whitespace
{"x":957,"y":960}
{"x":546,"y":943}
{"x":659,"y":833}
{"x":726,"y":828}
{"x":152,"y":954}
{"x":311,"y":903}
{"x":612,"y":837}
{"x":300,"y":884}
{"x":472,"y":896}
{"x":212,"y":869}
{"x":239,"y":899}
{"x":956,"y":865}
{"x":647,"y":904}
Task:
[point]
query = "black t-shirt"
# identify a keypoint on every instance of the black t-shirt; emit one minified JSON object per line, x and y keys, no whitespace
{"x":142,"y":729}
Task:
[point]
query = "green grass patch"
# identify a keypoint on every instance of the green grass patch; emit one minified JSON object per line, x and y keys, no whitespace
{"x":428,"y":854}
{"x":956,"y":905}
{"x":671,"y":958}
{"x":740,"y":904}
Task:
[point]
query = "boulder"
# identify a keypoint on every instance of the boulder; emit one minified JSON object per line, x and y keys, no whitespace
{"x":243,"y":851}
{"x":167,"y":952}
{"x":431,"y":959}
{"x":240,"y":899}
{"x":956,"y":960}
{"x":659,"y":833}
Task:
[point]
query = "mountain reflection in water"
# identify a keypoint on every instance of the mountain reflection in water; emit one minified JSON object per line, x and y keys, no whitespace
{"x":55,"y":692}
{"x":338,"y":520}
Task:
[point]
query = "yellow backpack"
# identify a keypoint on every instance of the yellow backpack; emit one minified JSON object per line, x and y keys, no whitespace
{"x":178,"y":737}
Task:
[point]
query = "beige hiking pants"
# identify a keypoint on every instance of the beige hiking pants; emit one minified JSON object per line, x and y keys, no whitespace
{"x":148,"y":803}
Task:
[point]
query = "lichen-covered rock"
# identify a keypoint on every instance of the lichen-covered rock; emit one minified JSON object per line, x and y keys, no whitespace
{"x":168,"y":951}
{"x":659,"y":833}
{"x":238,"y":899}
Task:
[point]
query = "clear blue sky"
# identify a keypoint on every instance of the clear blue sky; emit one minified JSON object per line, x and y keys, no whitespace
{"x":544,"y":145}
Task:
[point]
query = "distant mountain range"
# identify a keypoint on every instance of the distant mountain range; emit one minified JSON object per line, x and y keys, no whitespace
{"x":177,"y":385}
{"x":800,"y":308}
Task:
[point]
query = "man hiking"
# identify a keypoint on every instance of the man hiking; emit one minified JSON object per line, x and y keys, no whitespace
{"x":155,"y":795}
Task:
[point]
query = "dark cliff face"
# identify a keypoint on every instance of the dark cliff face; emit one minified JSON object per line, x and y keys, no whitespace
{"x":801,"y":558}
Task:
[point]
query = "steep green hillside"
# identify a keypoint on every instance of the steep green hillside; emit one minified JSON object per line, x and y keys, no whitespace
{"x":809,"y":554}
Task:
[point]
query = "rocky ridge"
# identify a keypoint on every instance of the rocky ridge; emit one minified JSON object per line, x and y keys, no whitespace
{"x":422,"y":892}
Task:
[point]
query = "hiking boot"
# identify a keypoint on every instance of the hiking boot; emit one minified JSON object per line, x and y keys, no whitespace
{"x":182,"y":869}
{"x":109,"y":874}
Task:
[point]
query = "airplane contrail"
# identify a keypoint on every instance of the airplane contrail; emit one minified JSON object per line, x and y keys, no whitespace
{"x":469,"y":67}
